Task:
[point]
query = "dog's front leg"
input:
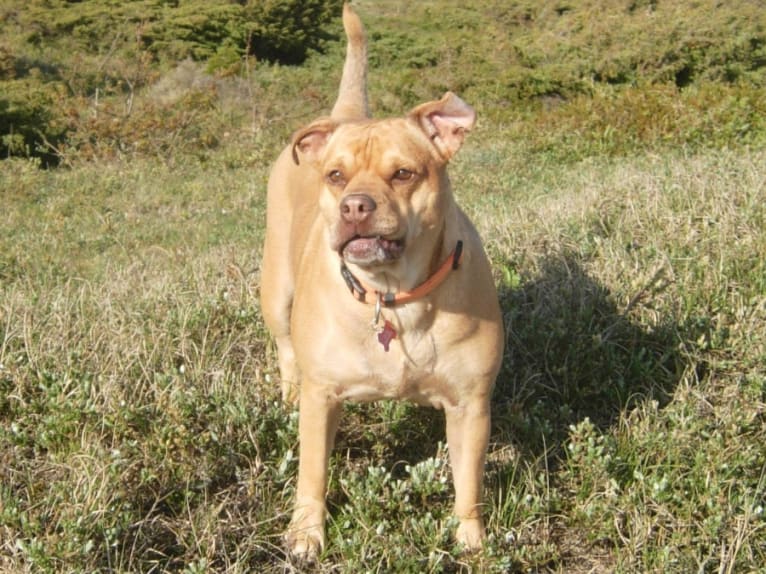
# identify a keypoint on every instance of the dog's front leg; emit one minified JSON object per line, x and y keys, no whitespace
{"x":317,"y":425}
{"x":468,"y":428}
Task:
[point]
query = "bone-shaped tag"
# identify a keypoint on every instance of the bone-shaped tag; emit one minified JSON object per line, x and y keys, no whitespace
{"x":386,"y":335}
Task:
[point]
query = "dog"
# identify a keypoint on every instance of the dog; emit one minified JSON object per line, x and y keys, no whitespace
{"x":375,"y":285}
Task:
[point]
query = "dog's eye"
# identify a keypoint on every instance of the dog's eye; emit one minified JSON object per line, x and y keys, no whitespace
{"x":335,"y":177}
{"x":403,"y":175}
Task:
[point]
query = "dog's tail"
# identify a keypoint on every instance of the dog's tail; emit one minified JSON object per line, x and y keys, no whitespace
{"x":352,"y":95}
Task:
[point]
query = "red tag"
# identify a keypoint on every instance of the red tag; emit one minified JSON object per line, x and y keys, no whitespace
{"x":386,"y":335}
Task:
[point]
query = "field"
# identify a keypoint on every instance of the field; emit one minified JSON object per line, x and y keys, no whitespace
{"x":625,"y":217}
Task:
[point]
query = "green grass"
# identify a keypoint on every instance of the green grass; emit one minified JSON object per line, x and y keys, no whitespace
{"x":140,"y":422}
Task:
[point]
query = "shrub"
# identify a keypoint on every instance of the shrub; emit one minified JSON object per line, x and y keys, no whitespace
{"x":194,"y":30}
{"x":152,"y":128}
{"x":286,"y":30}
{"x":30,"y":120}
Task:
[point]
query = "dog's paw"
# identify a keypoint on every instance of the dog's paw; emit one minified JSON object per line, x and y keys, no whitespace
{"x":470,"y":534}
{"x":305,"y":537}
{"x":305,"y":544}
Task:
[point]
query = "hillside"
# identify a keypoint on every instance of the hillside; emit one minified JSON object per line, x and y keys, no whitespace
{"x":104,"y":79}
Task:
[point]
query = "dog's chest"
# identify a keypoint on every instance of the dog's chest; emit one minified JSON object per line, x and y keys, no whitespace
{"x":397,"y":360}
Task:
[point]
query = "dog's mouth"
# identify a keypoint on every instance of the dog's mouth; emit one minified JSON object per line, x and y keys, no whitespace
{"x":371,"y":250}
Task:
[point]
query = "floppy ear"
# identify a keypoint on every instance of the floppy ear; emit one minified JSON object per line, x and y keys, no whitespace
{"x":311,"y":140}
{"x":445,"y":122}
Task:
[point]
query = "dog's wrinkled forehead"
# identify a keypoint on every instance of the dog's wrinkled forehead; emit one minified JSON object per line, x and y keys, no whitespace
{"x":383,"y":144}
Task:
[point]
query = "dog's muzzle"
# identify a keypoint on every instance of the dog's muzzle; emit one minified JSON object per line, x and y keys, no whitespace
{"x":360,"y":244}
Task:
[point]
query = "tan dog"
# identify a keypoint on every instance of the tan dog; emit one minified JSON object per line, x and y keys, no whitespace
{"x":375,"y":286}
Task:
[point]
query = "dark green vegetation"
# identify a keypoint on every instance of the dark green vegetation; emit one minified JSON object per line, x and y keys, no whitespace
{"x":97,"y":78}
{"x":64,"y":64}
{"x":618,"y":176}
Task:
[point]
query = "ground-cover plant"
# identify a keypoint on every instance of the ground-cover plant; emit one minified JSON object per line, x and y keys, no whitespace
{"x":141,"y":424}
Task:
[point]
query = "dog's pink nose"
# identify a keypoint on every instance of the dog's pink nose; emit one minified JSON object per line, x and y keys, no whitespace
{"x":357,"y":207}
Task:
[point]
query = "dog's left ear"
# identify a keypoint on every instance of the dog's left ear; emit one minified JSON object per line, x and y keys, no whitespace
{"x":311,"y":140}
{"x":445,"y":122}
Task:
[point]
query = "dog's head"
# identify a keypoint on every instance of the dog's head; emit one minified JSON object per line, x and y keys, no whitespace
{"x":384,"y":182}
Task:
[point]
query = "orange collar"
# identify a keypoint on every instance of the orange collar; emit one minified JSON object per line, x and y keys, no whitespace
{"x":387,"y":299}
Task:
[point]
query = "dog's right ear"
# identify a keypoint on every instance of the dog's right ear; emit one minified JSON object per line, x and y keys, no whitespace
{"x":309,"y":142}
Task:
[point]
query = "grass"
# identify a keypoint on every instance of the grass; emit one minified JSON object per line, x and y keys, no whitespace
{"x":141,"y":424}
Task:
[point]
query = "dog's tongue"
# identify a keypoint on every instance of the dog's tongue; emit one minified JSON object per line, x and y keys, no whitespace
{"x":371,"y":250}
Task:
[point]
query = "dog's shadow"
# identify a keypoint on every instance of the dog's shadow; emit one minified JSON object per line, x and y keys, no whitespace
{"x":571,"y":353}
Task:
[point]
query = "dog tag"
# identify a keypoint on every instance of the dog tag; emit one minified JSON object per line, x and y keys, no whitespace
{"x":386,"y":335}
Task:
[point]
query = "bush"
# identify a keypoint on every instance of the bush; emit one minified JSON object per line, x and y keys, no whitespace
{"x":277,"y":30}
{"x":152,"y":128}
{"x":30,"y":119}
{"x":194,"y":30}
{"x":286,"y":30}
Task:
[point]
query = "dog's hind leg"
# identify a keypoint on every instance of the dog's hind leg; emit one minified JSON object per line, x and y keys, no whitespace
{"x":278,"y":285}
{"x":276,"y":304}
